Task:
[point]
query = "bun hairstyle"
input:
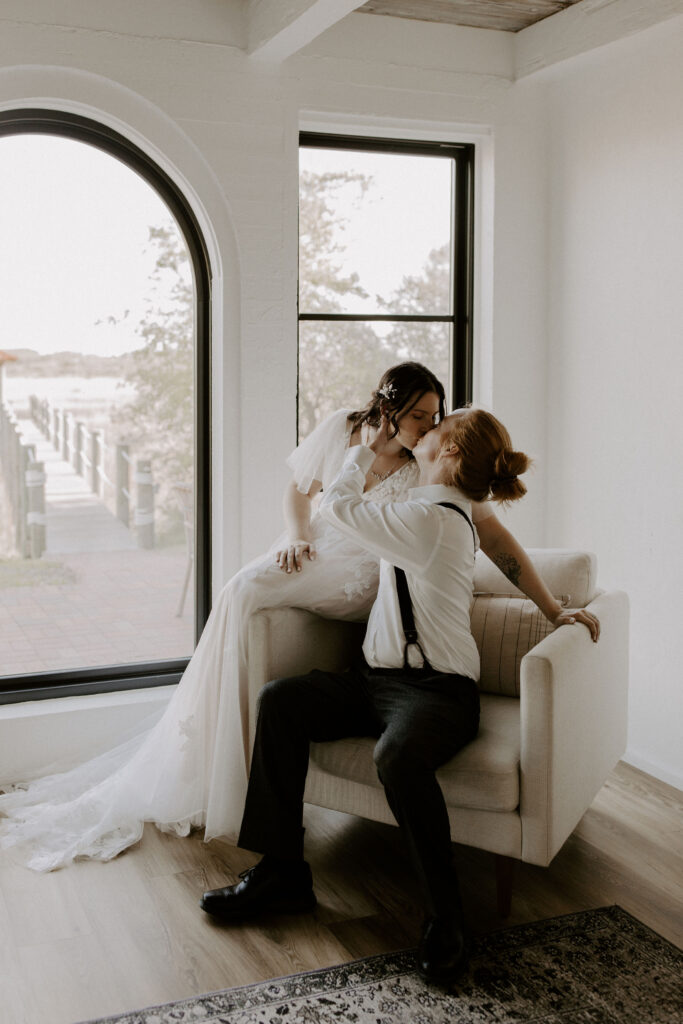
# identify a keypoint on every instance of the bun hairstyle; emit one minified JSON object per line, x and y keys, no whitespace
{"x":487,"y":465}
{"x":400,"y":388}
{"x":508,"y":467}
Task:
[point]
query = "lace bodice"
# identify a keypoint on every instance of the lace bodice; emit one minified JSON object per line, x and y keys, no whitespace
{"x":396,"y":486}
{"x":321,"y":454}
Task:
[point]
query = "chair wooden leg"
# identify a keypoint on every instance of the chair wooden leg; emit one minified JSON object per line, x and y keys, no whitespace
{"x":505,"y":867}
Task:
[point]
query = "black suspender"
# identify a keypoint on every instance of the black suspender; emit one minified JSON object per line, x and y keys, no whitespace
{"x":406,"y":605}
{"x":460,"y":511}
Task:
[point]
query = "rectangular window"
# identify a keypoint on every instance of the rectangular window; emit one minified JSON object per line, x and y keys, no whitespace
{"x":385,"y":267}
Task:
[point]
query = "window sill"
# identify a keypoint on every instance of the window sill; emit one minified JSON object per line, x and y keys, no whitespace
{"x":36,"y":734}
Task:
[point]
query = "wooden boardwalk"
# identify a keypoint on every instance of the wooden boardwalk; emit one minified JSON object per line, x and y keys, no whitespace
{"x":76,"y":519}
{"x":94,"y":597}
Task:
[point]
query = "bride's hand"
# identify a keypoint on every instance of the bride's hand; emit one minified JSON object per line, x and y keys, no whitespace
{"x":381,"y":438}
{"x":291,"y":557}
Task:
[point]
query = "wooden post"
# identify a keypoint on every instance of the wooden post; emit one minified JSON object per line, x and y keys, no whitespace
{"x":123,"y":484}
{"x":144,"y":503}
{"x":22,"y":502}
{"x":35,"y":511}
{"x":95,"y":456}
{"x":79,"y":430}
{"x":17,"y":478}
{"x":65,"y":436}
{"x":55,"y":429}
{"x":13,"y":469}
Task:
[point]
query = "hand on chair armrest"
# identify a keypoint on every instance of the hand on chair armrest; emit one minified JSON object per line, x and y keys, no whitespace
{"x":576,"y":616}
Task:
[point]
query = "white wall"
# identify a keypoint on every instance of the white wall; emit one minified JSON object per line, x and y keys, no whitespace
{"x":615,"y":355}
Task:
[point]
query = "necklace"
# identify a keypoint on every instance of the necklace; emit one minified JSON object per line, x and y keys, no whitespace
{"x":383,"y":476}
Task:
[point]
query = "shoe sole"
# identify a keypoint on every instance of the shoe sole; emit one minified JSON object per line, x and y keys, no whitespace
{"x":445,"y":976}
{"x":279,"y":907}
{"x":443,"y":980}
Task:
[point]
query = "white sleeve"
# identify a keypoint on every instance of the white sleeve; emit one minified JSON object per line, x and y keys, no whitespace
{"x":320,"y":455}
{"x":406,"y":533}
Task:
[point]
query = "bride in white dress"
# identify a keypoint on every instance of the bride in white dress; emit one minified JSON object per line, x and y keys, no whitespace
{"x":190,"y":767}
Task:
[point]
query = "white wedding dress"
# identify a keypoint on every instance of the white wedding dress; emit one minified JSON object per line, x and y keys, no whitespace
{"x":189,"y":767}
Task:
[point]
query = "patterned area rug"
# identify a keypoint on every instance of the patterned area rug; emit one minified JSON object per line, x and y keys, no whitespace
{"x":594,"y":967}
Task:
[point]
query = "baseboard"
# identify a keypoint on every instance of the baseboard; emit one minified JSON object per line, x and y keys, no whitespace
{"x":43,"y":734}
{"x":654,"y":768}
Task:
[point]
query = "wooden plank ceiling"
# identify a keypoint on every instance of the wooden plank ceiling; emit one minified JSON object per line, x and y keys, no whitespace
{"x":504,"y":15}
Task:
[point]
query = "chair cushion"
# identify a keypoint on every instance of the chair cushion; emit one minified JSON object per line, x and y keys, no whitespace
{"x":504,"y":629}
{"x":484,"y":775}
{"x":568,"y":574}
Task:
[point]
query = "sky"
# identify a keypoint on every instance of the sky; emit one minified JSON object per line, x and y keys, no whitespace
{"x":74,"y":244}
{"x":405,"y":213}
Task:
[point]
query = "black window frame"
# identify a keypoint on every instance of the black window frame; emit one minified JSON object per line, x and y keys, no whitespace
{"x":137,"y":675}
{"x":462,"y":213}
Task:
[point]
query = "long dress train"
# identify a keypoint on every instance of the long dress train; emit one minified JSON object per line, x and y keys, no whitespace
{"x":189,"y":768}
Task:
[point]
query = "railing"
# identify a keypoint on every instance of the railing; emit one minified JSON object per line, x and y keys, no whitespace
{"x":89,"y":454}
{"x":25,"y":483}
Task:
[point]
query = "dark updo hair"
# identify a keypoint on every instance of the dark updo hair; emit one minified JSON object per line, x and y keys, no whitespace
{"x":488,"y":465}
{"x":393,"y":395}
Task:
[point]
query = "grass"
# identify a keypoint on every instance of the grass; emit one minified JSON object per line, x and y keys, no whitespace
{"x":33,"y":572}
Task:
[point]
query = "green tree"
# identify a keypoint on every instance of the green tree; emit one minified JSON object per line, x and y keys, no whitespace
{"x":159,"y":422}
{"x":339,"y":363}
{"x":428,"y":292}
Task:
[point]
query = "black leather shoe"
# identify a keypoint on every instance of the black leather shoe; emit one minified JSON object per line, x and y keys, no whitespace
{"x":443,"y":952}
{"x":265,"y":888}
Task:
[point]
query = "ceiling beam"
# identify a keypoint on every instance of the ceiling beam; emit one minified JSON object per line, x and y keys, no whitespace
{"x":585,"y":26}
{"x":279,"y":28}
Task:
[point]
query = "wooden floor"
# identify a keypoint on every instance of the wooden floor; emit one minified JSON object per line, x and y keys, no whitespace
{"x":98,"y":939}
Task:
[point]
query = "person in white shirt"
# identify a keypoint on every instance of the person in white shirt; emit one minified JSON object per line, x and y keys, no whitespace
{"x":420,"y":700}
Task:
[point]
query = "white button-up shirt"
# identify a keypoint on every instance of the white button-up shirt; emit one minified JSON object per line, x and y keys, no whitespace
{"x":435,"y":548}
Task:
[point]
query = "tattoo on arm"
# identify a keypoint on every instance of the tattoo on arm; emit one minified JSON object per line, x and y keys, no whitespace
{"x":509,"y":566}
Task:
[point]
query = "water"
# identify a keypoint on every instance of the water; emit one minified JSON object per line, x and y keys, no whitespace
{"x":87,"y":395}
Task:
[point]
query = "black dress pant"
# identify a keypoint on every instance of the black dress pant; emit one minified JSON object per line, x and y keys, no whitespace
{"x":421,"y":719}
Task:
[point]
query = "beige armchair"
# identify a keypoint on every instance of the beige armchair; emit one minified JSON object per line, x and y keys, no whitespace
{"x":553,"y":713}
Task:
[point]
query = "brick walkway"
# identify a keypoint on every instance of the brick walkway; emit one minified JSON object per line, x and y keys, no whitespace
{"x":120,"y":602}
{"x":121,"y":608}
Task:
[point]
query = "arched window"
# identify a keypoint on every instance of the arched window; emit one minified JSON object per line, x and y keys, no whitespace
{"x":104,"y":413}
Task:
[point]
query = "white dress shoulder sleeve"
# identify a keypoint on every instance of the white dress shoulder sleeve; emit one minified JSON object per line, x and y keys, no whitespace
{"x":320,"y":455}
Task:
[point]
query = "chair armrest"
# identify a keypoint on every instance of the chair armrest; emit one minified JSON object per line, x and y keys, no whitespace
{"x":574,"y":703}
{"x":290,"y":641}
